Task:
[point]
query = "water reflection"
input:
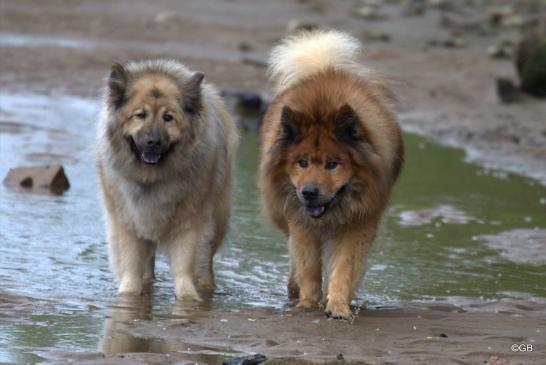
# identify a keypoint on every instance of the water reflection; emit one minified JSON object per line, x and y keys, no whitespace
{"x":127,"y":310}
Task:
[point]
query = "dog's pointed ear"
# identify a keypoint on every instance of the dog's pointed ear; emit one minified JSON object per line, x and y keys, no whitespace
{"x":347,"y":127}
{"x":192,"y":93}
{"x":289,"y":124}
{"x":117,"y":85}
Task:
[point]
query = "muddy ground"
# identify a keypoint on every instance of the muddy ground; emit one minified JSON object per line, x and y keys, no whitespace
{"x":438,"y":62}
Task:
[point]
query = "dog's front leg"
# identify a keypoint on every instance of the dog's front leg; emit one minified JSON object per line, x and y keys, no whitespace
{"x":131,"y":258}
{"x":345,"y":266}
{"x":304,"y":249}
{"x":182,"y":250}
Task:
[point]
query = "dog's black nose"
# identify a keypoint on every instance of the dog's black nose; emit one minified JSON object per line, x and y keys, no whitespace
{"x":153,"y":142}
{"x":310,"y":192}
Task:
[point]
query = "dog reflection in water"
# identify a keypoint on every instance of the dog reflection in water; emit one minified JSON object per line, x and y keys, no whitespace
{"x":117,"y":339}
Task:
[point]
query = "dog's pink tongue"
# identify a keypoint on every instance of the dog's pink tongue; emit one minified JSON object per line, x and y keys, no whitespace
{"x":315,"y":211}
{"x":150,"y":157}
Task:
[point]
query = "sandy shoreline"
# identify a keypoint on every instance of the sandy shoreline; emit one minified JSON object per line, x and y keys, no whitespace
{"x":412,"y":333}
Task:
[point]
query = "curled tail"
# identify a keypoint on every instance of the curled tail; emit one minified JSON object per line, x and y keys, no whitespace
{"x":307,"y":53}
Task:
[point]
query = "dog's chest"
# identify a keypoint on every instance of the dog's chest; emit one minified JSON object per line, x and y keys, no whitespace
{"x":152,"y":210}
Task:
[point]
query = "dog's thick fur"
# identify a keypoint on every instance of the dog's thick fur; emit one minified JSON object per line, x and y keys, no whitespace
{"x":165,"y":150}
{"x":331,"y":150}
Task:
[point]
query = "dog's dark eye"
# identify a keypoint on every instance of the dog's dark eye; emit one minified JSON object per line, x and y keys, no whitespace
{"x":330,"y":165}
{"x":141,"y":115}
{"x":167,"y":117}
{"x":303,"y":163}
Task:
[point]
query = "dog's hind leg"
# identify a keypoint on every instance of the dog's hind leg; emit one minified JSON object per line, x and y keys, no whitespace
{"x":149,"y":270}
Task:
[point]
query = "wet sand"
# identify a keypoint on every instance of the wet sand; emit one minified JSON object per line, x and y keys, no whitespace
{"x":59,"y":47}
{"x":413,"y":333}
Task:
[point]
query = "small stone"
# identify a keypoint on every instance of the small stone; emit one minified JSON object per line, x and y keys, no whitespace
{"x":295,"y":26}
{"x":454,"y":43}
{"x":497,"y":14}
{"x":164,"y":17}
{"x":50,"y":178}
{"x":439,"y":4}
{"x":531,"y":64}
{"x":245,"y":360}
{"x":413,"y":7}
{"x":513,"y":21}
{"x":91,"y":308}
{"x":507,"y":90}
{"x":254,"y":61}
{"x":367,"y":12}
{"x":271,"y":343}
{"x":500,"y":51}
{"x":244,"y":47}
{"x":376,"y":36}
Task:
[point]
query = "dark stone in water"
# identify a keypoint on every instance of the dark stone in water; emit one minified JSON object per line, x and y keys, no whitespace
{"x":508,"y":92}
{"x":49,"y":178}
{"x":245,"y":360}
{"x":248,"y":106}
{"x":531,"y":65}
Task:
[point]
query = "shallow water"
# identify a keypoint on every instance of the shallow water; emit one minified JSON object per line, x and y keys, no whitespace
{"x":56,"y":287}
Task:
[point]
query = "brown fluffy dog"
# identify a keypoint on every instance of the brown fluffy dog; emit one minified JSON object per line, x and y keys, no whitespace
{"x":331,"y":150}
{"x":165,"y":150}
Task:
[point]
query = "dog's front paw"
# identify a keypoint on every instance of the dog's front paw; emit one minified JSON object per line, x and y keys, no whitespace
{"x":194,"y":297}
{"x":307,"y":304}
{"x":186,"y":291}
{"x":337,"y":310}
{"x":130,"y":287}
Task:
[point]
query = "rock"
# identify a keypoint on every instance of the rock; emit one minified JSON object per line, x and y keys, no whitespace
{"x":497,"y":14}
{"x":508,"y":92}
{"x":244,"y":47}
{"x":50,"y":178}
{"x":246,"y":360}
{"x":165,"y":17}
{"x":295,"y":26}
{"x":505,"y":16}
{"x":513,"y":21}
{"x":367,"y":12}
{"x":254,"y":61}
{"x":306,"y":361}
{"x":439,"y":4}
{"x":249,"y":107}
{"x":413,"y":7}
{"x":454,"y":42}
{"x":504,"y":49}
{"x":376,"y":36}
{"x":531,"y":64}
